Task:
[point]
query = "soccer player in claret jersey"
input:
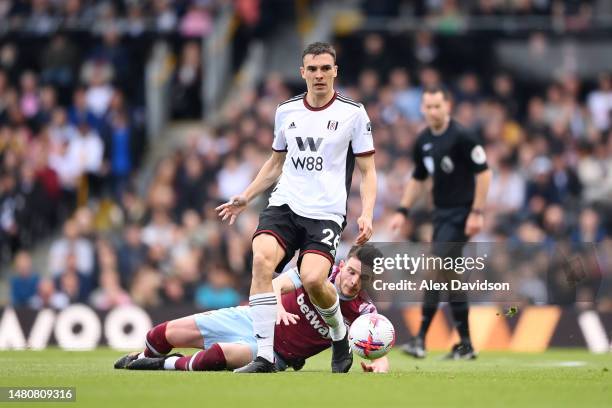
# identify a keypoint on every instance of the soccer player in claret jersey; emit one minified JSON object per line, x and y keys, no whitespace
{"x":318,"y":138}
{"x":226,"y":335}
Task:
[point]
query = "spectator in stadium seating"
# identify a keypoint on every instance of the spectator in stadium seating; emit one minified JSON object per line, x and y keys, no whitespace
{"x":374,"y":56}
{"x":131,"y":253}
{"x":145,"y":287}
{"x":29,"y":102}
{"x":536,"y":123}
{"x":160,"y":230}
{"x":47,"y":297}
{"x":40,"y":19}
{"x":59,"y":62}
{"x":599,"y":102}
{"x":135,"y":24}
{"x":589,"y":228}
{"x":196,"y":22}
{"x":234,"y":177}
{"x":594,"y":171}
{"x":554,"y":223}
{"x":173,"y":291}
{"x":48,"y":103}
{"x":166,"y":18}
{"x":98,"y":74}
{"x":24,"y":282}
{"x":119,"y":152}
{"x":554,"y":109}
{"x":540,"y":183}
{"x":111,"y":52}
{"x":424,"y":50}
{"x":468,"y":89}
{"x":187,"y":84}
{"x":71,"y":243}
{"x":109,"y":293}
{"x":407,"y":97}
{"x":87,"y":151}
{"x":507,"y":191}
{"x":565,"y":179}
{"x":368,"y":86}
{"x":74,"y":285}
{"x":133,"y":207}
{"x":504,"y":93}
{"x":190,"y":184}
{"x":10,"y":61}
{"x":9,"y":228}
{"x":31,"y":200}
{"x":79,"y":112}
{"x":218,"y":291}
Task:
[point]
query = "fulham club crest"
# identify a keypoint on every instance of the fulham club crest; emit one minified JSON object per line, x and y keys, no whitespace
{"x":332,"y":125}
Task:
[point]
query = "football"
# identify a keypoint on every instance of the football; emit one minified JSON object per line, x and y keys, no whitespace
{"x":371,"y":336}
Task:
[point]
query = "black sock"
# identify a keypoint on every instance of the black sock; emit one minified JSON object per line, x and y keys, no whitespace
{"x":430,"y":307}
{"x":460,"y":315}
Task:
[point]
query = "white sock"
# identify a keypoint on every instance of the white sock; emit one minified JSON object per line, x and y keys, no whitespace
{"x":141,"y":355}
{"x":169,"y":363}
{"x":335,"y":321}
{"x":263,"y":313}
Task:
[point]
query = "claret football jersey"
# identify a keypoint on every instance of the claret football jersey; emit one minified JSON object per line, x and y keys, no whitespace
{"x":311,"y":334}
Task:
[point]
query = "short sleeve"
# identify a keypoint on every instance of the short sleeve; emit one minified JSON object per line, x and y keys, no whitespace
{"x":361,"y":140}
{"x":280,"y":143}
{"x":295,"y":278}
{"x":420,"y":172}
{"x":473,"y":152}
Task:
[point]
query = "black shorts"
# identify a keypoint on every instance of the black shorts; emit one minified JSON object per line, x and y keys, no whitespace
{"x":449,"y":230}
{"x":294,"y":232}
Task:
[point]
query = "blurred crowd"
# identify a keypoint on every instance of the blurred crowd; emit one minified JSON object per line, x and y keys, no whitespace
{"x":72,"y":117}
{"x":549,"y":146}
{"x":451,"y":14}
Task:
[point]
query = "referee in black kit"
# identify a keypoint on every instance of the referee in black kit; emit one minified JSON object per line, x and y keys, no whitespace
{"x":457,"y":162}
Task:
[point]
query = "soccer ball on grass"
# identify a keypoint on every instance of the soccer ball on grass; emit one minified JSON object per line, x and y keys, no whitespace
{"x":371,"y":336}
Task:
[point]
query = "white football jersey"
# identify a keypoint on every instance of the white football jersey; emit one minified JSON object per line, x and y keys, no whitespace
{"x":321,"y":145}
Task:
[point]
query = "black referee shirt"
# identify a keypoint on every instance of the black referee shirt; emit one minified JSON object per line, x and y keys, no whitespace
{"x":453,"y":158}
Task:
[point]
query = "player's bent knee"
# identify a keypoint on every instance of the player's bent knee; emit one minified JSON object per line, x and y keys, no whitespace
{"x":263,"y":265}
{"x":313,"y":271}
{"x":313,"y":280}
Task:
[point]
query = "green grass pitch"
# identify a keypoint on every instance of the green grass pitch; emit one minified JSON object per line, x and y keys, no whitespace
{"x":558,"y":378}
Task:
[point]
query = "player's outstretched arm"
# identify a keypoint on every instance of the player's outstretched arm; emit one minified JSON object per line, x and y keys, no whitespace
{"x":380,"y":365}
{"x":268,"y":174}
{"x":367,"y":190}
{"x":283,"y":284}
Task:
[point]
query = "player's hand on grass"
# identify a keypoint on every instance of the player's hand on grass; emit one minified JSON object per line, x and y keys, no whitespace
{"x":377,"y":366}
{"x":397,"y":222}
{"x":474,"y":224}
{"x":232,"y":208}
{"x":365,"y":230}
{"x":286,"y":317}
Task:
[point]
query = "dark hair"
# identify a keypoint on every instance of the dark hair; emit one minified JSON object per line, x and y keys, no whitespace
{"x":318,"y":48}
{"x":366,"y":254}
{"x":434,"y":89}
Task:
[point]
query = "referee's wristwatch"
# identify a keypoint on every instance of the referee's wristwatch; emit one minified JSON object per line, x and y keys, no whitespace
{"x":403,"y":210}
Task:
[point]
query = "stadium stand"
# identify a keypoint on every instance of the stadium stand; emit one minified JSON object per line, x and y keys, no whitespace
{"x":548,"y":141}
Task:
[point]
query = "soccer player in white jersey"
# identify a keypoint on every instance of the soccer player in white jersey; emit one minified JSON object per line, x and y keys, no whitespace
{"x":318,"y":138}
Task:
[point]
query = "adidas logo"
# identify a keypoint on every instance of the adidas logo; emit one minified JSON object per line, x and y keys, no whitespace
{"x":292,"y":125}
